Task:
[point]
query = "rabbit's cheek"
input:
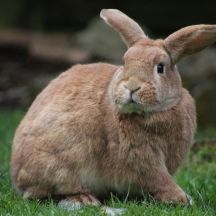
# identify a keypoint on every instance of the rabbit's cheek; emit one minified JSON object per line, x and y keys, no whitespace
{"x":167,"y":95}
{"x":121,"y":95}
{"x":146,"y":95}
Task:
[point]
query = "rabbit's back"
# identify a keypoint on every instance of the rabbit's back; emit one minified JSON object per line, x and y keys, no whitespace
{"x":81,"y":83}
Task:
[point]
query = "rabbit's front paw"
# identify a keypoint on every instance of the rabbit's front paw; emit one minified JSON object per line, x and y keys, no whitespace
{"x":173,"y":196}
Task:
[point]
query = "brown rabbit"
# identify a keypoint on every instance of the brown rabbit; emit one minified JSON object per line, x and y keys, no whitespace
{"x":99,"y":127}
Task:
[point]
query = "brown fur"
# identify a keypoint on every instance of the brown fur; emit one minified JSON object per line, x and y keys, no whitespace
{"x":81,"y":135}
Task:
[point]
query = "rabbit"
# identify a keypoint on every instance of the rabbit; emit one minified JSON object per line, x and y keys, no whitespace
{"x":100,"y":128}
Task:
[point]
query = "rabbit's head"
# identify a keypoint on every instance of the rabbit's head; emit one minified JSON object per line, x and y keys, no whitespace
{"x":149,"y":80}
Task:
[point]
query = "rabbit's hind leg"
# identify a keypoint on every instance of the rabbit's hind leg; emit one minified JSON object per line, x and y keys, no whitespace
{"x":35,"y":192}
{"x":74,"y":202}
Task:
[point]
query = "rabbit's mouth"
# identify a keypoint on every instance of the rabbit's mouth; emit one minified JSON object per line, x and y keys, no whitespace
{"x":132,"y":107}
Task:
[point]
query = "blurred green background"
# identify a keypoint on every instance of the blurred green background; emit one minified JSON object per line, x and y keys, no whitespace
{"x":41,"y":38}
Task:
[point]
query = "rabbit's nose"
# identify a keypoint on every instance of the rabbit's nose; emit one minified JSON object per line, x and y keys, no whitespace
{"x":132,"y":90}
{"x":131,"y":93}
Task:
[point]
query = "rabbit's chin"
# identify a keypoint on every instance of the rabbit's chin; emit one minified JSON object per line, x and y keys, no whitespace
{"x":135,"y":108}
{"x":132,"y":108}
{"x":129,"y":108}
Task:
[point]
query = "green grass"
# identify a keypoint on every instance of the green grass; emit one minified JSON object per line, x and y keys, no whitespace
{"x":197,"y":177}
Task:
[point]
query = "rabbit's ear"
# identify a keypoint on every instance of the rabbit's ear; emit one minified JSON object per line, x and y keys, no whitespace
{"x":130,"y":31}
{"x":189,"y":40}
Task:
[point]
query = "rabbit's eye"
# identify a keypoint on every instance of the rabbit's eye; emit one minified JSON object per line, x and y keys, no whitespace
{"x":160,"y":68}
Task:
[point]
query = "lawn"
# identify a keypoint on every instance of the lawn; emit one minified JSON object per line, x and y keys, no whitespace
{"x":197,"y":177}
